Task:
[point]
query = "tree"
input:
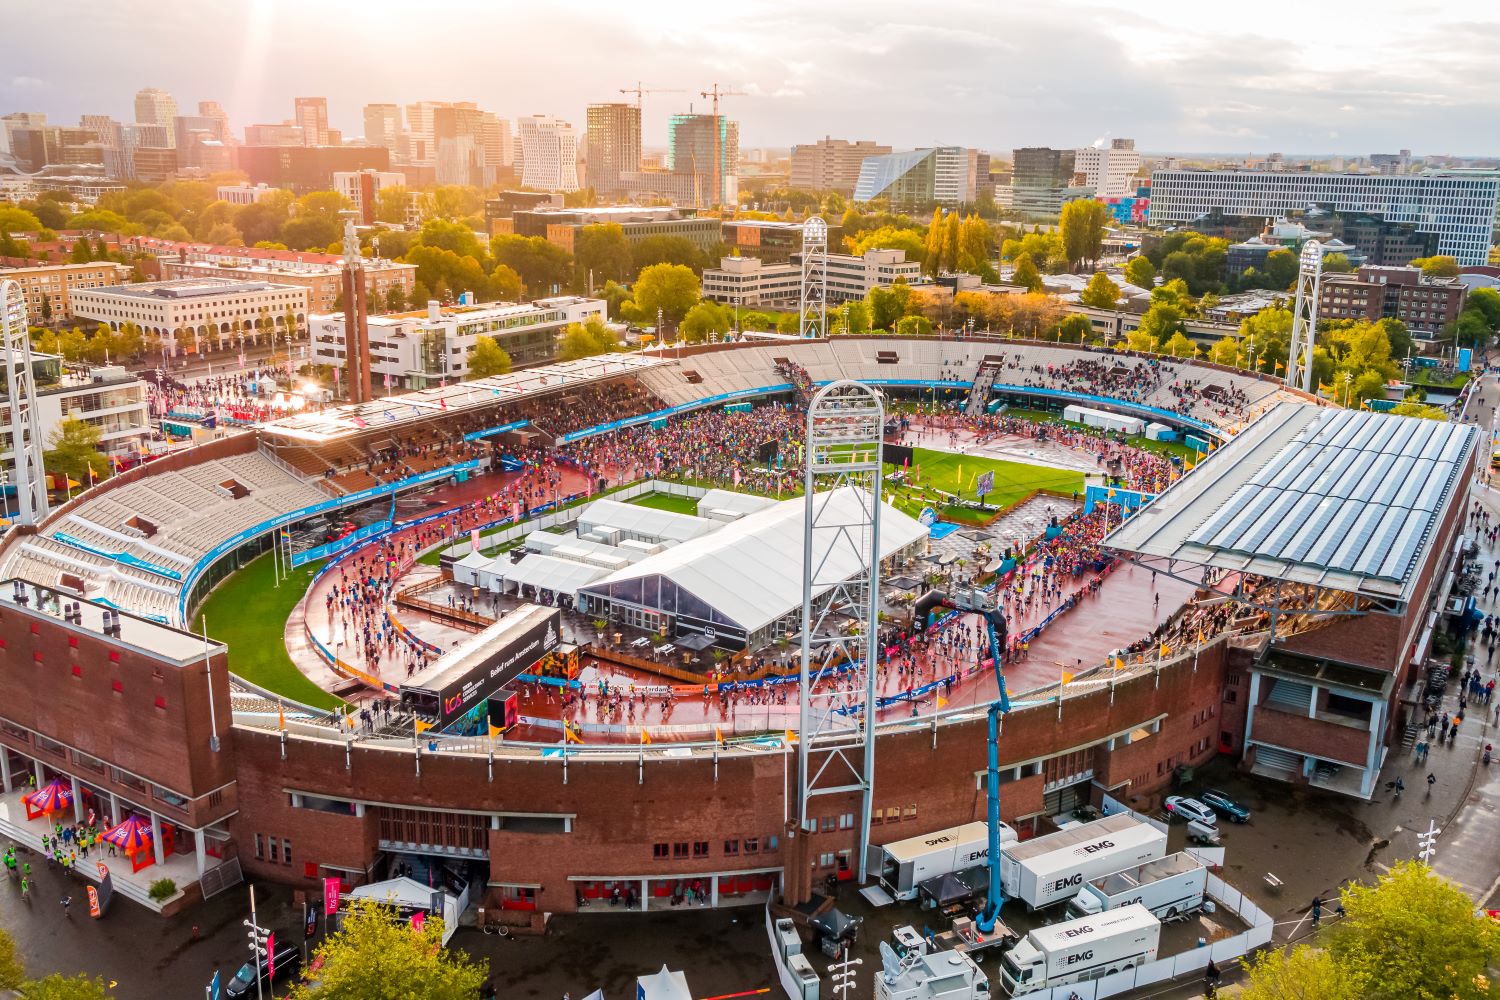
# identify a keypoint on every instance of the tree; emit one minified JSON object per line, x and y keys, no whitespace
{"x":1423,"y":411}
{"x":888,"y":304}
{"x":18,"y":220}
{"x":1485,"y":301}
{"x":1026,"y":274}
{"x":12,"y":973}
{"x":1100,"y":292}
{"x":309,"y":233}
{"x":81,"y":253}
{"x":1470,"y":328}
{"x":544,"y":267}
{"x":856,"y":318}
{"x":667,"y":250}
{"x":1074,"y":329}
{"x":1179,"y":346}
{"x":1140,"y":273}
{"x":914,"y":326}
{"x":932,"y":246}
{"x":602,"y":253}
{"x":395,"y":298}
{"x":1304,"y":973}
{"x":74,"y":448}
{"x":488,"y":358}
{"x":454,"y":236}
{"x":1337,"y":263}
{"x":48,"y":212}
{"x":391,"y":203}
{"x":377,"y":956}
{"x":891,"y":238}
{"x":1281,"y":269}
{"x":704,"y":319}
{"x":951,"y":234}
{"x":1161,"y":321}
{"x":1140,"y":340}
{"x":1081,"y":227}
{"x":1439,"y":266}
{"x":59,"y":987}
{"x":585,"y":340}
{"x":1225,"y":352}
{"x":671,"y":288}
{"x":974,"y":249}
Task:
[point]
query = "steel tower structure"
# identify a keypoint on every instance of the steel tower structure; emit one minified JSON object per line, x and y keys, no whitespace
{"x":26,"y":473}
{"x":1299,"y":360}
{"x":836,"y":728}
{"x":813,"y":299}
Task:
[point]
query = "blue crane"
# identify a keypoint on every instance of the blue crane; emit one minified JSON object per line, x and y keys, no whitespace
{"x":994,"y":622}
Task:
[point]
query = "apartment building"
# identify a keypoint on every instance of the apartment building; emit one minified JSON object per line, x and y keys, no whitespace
{"x":216,"y":310}
{"x":49,"y":288}
{"x":748,"y":281}
{"x":832,"y":164}
{"x":1425,"y":304}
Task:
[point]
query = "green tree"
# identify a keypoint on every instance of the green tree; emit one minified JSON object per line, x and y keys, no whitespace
{"x":614,"y":296}
{"x":48,"y":212}
{"x":1420,"y":410}
{"x":1280,"y":270}
{"x":888,"y":304}
{"x":914,"y":326}
{"x":1439,"y":266}
{"x":1140,"y":340}
{"x":951,"y":236}
{"x":932,"y":249}
{"x":1179,"y":346}
{"x":585,"y":340}
{"x":81,"y":253}
{"x":1026,"y":274}
{"x":1470,"y":328}
{"x":1304,"y":973}
{"x":1100,"y":292}
{"x":602,"y":253}
{"x":488,"y":358}
{"x":1486,"y":302}
{"x":72,"y":449}
{"x":671,"y":288}
{"x":1337,"y":263}
{"x":18,"y":220}
{"x":856,"y":318}
{"x":391,"y":203}
{"x":667,"y":250}
{"x":309,"y":232}
{"x":504,"y":285}
{"x":1074,"y":329}
{"x":395,"y":298}
{"x":1225,"y":352}
{"x":974,"y":240}
{"x":1081,"y":227}
{"x":453,"y":236}
{"x":1161,"y":321}
{"x":377,"y":956}
{"x":544,"y":267}
{"x":704,"y":319}
{"x":891,"y":238}
{"x":12,"y":973}
{"x":60,"y":987}
{"x":1140,"y":273}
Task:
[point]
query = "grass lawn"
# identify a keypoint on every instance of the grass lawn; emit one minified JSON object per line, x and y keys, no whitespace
{"x":1429,"y":377}
{"x":248,"y":613}
{"x":667,"y":501}
{"x":953,"y":473}
{"x":1176,"y":448}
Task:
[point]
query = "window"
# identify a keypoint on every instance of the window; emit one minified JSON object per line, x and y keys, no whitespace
{"x":260,"y":847}
{"x":826,"y":824}
{"x":286,"y":852}
{"x":680,"y":849}
{"x":846,"y":821}
{"x":825,"y":860}
{"x":700,"y":849}
{"x":910,"y":812}
{"x":272,"y":841}
{"x":752,"y":845}
{"x":771,"y":843}
{"x":660,"y":852}
{"x":731,"y":848}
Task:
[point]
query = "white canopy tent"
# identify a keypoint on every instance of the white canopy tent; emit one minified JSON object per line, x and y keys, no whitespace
{"x":411,"y":893}
{"x":561,"y":576}
{"x":466,"y":570}
{"x":663,"y":985}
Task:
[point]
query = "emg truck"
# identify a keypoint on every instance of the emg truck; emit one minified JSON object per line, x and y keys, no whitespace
{"x":1080,"y":950}
{"x":905,"y":863}
{"x":1052,"y":869}
{"x":1170,"y":888}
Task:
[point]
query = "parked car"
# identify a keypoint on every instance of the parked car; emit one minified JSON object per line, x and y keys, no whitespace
{"x":242,"y":983}
{"x":1224,"y":805}
{"x":1191,"y":810}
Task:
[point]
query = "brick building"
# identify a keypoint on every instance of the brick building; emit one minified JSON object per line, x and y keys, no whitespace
{"x":48,"y":288}
{"x":1425,"y":304}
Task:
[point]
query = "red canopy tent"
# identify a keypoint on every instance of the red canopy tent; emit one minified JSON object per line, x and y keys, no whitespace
{"x":52,"y":797}
{"x":133,"y":838}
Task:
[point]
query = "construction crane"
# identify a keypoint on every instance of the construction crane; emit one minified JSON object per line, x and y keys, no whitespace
{"x":639,"y":90}
{"x":994,"y":622}
{"x":715,"y":93}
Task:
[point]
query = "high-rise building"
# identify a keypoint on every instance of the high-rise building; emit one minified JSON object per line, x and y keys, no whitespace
{"x":362,"y":186}
{"x":214,"y":111}
{"x":706,"y":148}
{"x":499,"y":146}
{"x":186,"y":127}
{"x":549,"y":153}
{"x":458,"y":130}
{"x":156,"y":107}
{"x":917,"y":179}
{"x":284,"y":134}
{"x":1109,"y":170}
{"x":1443,"y":212}
{"x":832,"y":164}
{"x":422,"y":143}
{"x":383,"y":127}
{"x":1040,"y":180}
{"x":312,"y":115}
{"x":613,"y":142}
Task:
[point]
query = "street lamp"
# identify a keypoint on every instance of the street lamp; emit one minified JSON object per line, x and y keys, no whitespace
{"x":1348,"y":381}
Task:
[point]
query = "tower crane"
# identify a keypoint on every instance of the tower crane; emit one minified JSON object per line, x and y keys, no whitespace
{"x":639,"y":90}
{"x":994,"y":622}
{"x":715,"y":93}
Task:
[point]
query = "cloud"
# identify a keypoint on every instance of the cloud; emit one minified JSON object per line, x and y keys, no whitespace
{"x":27,"y":83}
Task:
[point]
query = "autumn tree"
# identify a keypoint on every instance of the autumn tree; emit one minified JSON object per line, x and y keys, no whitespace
{"x":1100,"y":292}
{"x":1141,"y":273}
{"x":1026,"y":274}
{"x":488,"y":358}
{"x":672,"y":289}
{"x":375,"y":955}
{"x":1082,"y":230}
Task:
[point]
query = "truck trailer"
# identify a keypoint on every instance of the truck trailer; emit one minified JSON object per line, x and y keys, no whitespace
{"x":1171,"y":887}
{"x":1104,"y":420}
{"x":905,"y":863}
{"x":1083,"y":949}
{"x":1052,"y":869}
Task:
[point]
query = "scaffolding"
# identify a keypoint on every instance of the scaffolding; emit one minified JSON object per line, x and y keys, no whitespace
{"x":26,"y":473}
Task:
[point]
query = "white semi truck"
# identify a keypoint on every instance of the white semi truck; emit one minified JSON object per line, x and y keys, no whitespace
{"x":1052,"y":869}
{"x":1171,"y":887}
{"x":1083,"y":949}
{"x":905,"y":863}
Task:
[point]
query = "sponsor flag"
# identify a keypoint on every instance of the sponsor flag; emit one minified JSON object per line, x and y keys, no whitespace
{"x":495,"y":731}
{"x":330,"y":895}
{"x":418,"y":920}
{"x":718,"y":736}
{"x":271,"y":950}
{"x":645,"y":737}
{"x":422,"y":727}
{"x":791,"y":737}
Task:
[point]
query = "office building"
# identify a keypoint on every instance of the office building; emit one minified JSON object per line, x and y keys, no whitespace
{"x":1425,"y":304}
{"x":156,"y":107}
{"x":769,"y":240}
{"x":311,"y":115}
{"x":706,"y":148}
{"x":920,"y":178}
{"x":429,"y":347}
{"x":283,"y":134}
{"x":458,"y":132}
{"x":362,"y":186}
{"x":108,"y":398}
{"x":832,"y":164}
{"x":498,"y":145}
{"x":751,"y":282}
{"x":217,"y":310}
{"x":421,"y":140}
{"x":549,"y":153}
{"x":48,"y":288}
{"x":152,"y":164}
{"x":244,"y":194}
{"x":613,"y":140}
{"x":1431,"y":212}
{"x":561,"y":225}
{"x":214,"y":111}
{"x":1391,"y":163}
{"x":1040,"y":180}
{"x":1109,"y":170}
{"x":303,"y":169}
{"x":383,"y":128}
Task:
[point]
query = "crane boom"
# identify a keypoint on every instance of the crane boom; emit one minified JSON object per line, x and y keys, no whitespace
{"x":640,"y":89}
{"x":994,"y":623}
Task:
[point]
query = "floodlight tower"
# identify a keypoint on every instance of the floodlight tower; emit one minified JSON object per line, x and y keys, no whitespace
{"x":813,"y":301}
{"x":27,"y":475}
{"x":840,"y":579}
{"x":1299,"y":362}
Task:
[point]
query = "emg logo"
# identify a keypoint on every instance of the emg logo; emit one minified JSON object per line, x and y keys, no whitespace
{"x":1082,"y":956}
{"x":1075,"y":879}
{"x":1096,"y":848}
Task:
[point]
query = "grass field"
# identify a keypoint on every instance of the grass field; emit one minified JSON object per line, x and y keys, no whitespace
{"x":666,"y":501}
{"x":248,"y":613}
{"x":953,"y":473}
{"x":1168,"y":448}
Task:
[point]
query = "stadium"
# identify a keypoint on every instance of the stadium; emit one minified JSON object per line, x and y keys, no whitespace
{"x":620,"y":532}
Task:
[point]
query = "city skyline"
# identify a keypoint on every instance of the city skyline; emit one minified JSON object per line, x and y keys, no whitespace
{"x":1182,"y":79}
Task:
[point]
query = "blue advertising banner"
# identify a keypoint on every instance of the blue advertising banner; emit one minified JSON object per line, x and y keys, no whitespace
{"x":123,"y":558}
{"x":339,"y":544}
{"x":492,"y":431}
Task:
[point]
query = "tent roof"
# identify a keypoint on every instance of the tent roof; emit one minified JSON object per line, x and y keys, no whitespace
{"x":475,"y":560}
{"x":750,"y":570}
{"x":667,"y":525}
{"x":744,"y":503}
{"x":561,"y":576}
{"x":664,"y":985}
{"x":407,"y":891}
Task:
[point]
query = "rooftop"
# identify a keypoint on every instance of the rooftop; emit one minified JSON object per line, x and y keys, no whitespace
{"x":154,"y":639}
{"x":1344,"y":499}
{"x":190,"y":288}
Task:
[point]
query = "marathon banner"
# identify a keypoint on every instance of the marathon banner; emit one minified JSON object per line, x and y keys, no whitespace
{"x":493,"y":431}
{"x":339,"y":544}
{"x":672,"y":411}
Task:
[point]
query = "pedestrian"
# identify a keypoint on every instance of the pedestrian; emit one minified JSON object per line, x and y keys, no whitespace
{"x":1317,"y":911}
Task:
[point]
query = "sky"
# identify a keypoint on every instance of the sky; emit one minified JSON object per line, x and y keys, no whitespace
{"x":1290,"y":76}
